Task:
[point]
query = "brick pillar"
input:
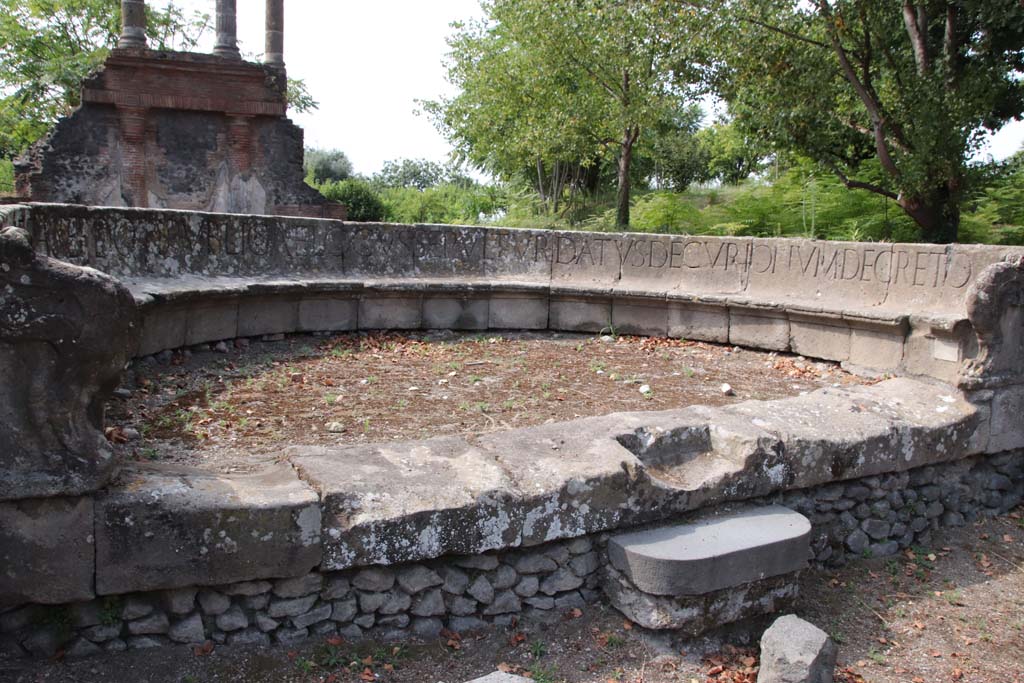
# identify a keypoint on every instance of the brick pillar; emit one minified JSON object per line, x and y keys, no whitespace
{"x":133,"y":154}
{"x":227,"y":40}
{"x":133,"y":25}
{"x":240,"y":143}
{"x":274,"y":52}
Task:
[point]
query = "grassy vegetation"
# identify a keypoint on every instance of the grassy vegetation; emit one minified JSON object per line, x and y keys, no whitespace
{"x":800,"y":201}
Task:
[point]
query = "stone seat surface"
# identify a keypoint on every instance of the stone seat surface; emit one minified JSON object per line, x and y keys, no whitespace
{"x":148,"y":290}
{"x":714,"y":553}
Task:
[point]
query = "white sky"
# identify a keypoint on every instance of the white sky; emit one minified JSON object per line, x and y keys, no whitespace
{"x":366,"y":62}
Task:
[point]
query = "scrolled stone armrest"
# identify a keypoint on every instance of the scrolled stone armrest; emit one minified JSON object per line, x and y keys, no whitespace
{"x":66,"y":334}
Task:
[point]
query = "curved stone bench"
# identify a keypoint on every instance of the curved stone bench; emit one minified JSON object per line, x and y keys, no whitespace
{"x":946,"y":313}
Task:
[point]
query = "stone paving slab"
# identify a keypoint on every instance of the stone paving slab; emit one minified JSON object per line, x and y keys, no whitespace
{"x":713,"y":553}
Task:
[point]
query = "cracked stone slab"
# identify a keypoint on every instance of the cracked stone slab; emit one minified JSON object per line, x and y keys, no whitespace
{"x":169,"y":527}
{"x":573,"y":478}
{"x":835,"y":434}
{"x":395,"y":502}
{"x":399,"y":502}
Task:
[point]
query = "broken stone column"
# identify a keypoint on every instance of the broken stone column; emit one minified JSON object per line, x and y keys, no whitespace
{"x":227,"y":29}
{"x":133,"y":25}
{"x":274,"y":52}
{"x":66,"y":334}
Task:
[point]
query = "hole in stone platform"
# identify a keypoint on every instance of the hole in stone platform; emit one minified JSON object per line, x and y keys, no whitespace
{"x":234,"y":410}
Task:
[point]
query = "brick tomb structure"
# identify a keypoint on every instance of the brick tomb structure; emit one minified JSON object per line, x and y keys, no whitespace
{"x":178,"y":130}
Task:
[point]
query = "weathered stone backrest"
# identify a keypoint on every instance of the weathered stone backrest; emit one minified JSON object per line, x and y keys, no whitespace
{"x":15,"y":215}
{"x":890,"y":307}
{"x":905,"y":278}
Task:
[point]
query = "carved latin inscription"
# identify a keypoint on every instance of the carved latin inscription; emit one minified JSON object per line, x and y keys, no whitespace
{"x":132,"y":242}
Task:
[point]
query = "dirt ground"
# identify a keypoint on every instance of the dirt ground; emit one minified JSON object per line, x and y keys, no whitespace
{"x":952,"y":612}
{"x":231,"y":411}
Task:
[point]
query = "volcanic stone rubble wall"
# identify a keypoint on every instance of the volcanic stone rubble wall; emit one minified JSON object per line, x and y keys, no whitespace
{"x":164,"y":552}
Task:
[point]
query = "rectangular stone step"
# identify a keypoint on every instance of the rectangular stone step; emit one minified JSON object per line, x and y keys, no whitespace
{"x":714,"y":552}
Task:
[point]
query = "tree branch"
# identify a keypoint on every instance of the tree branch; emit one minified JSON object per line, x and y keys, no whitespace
{"x":852,"y":184}
{"x":784,"y":32}
{"x":916,"y":21}
{"x":951,"y":47}
{"x":870,"y":101}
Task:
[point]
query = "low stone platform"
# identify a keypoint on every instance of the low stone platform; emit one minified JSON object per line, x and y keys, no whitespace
{"x":711,"y":571}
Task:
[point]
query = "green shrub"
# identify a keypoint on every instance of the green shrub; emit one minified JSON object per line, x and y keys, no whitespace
{"x":447,"y":203}
{"x":6,"y":177}
{"x":356,"y":194}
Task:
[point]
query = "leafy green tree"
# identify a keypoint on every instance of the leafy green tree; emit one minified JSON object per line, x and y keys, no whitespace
{"x":6,"y":177}
{"x":323,"y":165}
{"x":417,"y":173}
{"x":49,"y":46}
{"x":420,"y":174}
{"x":911,"y":85}
{"x":562,"y":82}
{"x":300,"y":100}
{"x":731,"y":156}
{"x":675,"y":152}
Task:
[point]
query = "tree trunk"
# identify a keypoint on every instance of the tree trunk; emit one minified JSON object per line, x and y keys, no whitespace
{"x":540,"y":184}
{"x":938,"y":215}
{"x":625,"y":161}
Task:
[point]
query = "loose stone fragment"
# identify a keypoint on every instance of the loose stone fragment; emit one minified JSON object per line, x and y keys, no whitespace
{"x":795,"y":651}
{"x":152,"y":624}
{"x":321,"y":613}
{"x":213,"y":603}
{"x":291,"y":607}
{"x":428,"y":604}
{"x":232,"y":620}
{"x":335,"y":587}
{"x":482,"y":590}
{"x":344,"y":610}
{"x":562,"y":580}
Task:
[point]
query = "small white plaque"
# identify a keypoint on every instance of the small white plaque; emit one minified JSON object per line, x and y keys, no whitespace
{"x":946,"y":349}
